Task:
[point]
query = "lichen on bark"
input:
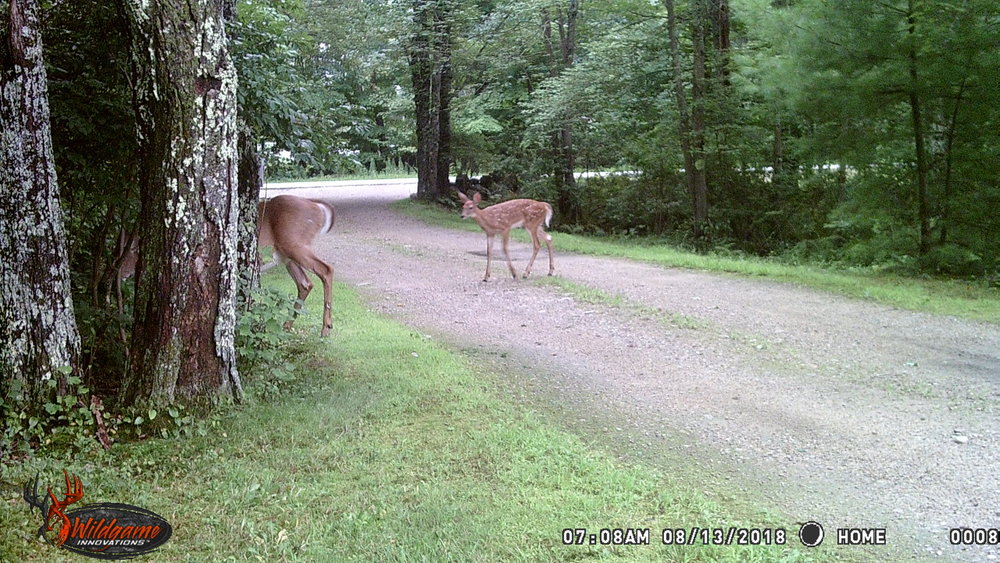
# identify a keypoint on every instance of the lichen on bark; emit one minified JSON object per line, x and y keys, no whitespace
{"x":38,"y":333}
{"x":186,"y":300}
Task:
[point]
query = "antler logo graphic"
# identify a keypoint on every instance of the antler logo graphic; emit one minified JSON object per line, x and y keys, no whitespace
{"x":74,"y":492}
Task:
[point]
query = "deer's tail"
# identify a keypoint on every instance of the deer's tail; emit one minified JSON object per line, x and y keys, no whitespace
{"x":331,"y":216}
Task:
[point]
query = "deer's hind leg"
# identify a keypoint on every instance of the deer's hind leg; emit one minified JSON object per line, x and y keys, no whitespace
{"x":302,"y":283}
{"x":535,"y":245}
{"x":548,"y":244}
{"x":537,"y":236}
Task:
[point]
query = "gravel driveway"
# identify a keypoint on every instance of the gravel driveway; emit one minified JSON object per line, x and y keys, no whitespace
{"x":810,"y":405}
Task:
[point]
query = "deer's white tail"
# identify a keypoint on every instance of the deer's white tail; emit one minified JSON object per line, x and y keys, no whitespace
{"x":329,"y":216}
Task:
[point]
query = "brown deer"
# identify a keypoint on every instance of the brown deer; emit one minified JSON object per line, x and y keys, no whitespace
{"x":502,"y":217}
{"x":289,"y":224}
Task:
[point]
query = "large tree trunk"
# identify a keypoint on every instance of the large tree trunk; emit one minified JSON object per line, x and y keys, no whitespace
{"x":38,"y":333}
{"x":185,"y":97}
{"x":430,"y":71}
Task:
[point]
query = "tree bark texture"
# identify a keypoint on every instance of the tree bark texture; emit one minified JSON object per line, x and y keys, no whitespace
{"x":38,"y":332}
{"x":185,"y":100}
{"x":431,"y":75}
{"x":251,"y":181}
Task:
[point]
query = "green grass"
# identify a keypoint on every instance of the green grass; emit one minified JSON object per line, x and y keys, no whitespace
{"x":387,"y":448}
{"x":946,"y":297}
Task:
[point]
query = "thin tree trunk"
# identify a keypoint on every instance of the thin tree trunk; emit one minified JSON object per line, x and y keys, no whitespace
{"x":720,"y":34}
{"x":185,"y":96}
{"x":680,"y":95}
{"x":250,"y":180}
{"x":923,"y":205}
{"x":39,"y":340}
{"x":691,"y":123}
{"x":564,"y":155}
{"x":421,"y":77}
{"x":949,"y":157}
{"x":568,"y":42}
{"x":698,"y":100}
{"x":444,"y":81}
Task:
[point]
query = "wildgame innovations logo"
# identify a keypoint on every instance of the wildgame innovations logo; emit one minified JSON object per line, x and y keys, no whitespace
{"x":103,"y":530}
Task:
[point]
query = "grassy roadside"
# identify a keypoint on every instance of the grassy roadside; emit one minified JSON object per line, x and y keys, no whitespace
{"x":946,"y":297}
{"x":386,"y":448}
{"x":394,"y":174}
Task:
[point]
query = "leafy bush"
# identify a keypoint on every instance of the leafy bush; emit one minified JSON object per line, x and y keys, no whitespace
{"x":64,"y":421}
{"x":261,"y":342}
{"x":952,"y":260}
{"x":618,"y":204}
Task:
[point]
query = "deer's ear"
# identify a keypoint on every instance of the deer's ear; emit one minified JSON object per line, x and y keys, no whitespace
{"x":476,"y":198}
{"x":462,"y":196}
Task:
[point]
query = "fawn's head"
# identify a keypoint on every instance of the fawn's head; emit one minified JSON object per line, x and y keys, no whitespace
{"x":469,"y":206}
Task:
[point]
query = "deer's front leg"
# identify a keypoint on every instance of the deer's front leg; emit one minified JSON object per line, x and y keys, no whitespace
{"x":506,"y":252}
{"x":489,"y":256}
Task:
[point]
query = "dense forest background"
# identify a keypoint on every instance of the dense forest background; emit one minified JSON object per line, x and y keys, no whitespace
{"x":853,"y":134}
{"x":857,"y":133}
{"x":864,"y":134}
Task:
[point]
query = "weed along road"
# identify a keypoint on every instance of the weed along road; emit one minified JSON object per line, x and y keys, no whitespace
{"x":879,"y":424}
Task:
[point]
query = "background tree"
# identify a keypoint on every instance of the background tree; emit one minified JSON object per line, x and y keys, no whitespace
{"x":183,"y":339}
{"x":429,"y":52}
{"x":898,"y":92}
{"x":39,"y":341}
{"x":561,"y":55}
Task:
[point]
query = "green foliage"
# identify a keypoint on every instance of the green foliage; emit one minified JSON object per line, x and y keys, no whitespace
{"x":174,"y":421}
{"x":319,"y":86}
{"x":262,"y":345}
{"x":859,"y":71}
{"x":622,"y":204}
{"x":64,"y":422}
{"x":95,"y":149}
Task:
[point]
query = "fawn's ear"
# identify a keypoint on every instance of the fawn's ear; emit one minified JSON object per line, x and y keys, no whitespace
{"x":476,"y":198}
{"x":462,"y":196}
